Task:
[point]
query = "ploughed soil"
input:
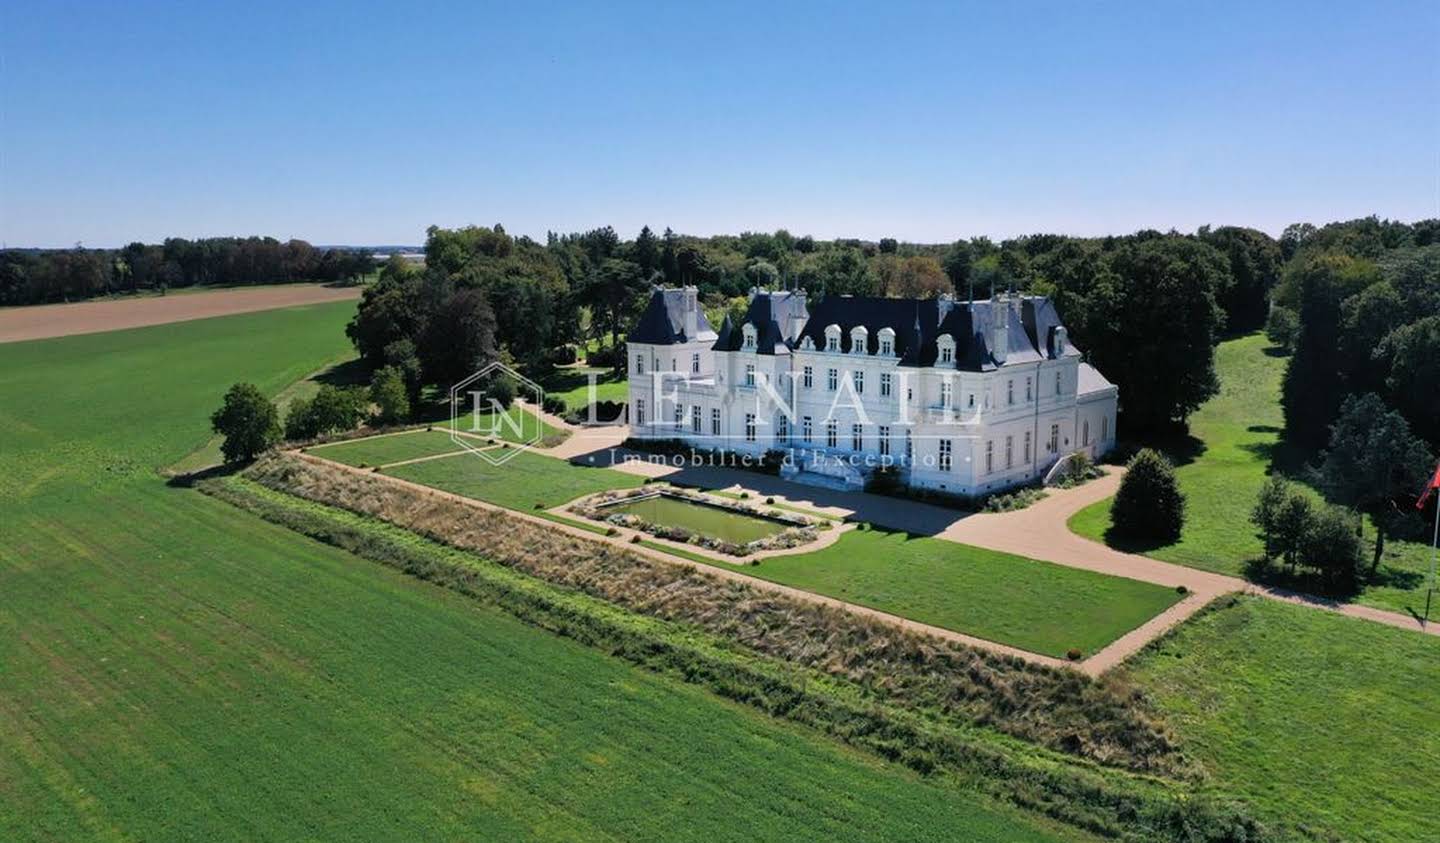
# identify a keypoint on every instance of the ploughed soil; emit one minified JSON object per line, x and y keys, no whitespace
{"x":58,"y":320}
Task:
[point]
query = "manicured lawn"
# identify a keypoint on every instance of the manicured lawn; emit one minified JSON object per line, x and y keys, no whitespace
{"x":572,"y":385}
{"x":519,"y":483}
{"x":173,"y":668}
{"x":516,"y":424}
{"x":1318,"y":719}
{"x":1238,"y":433}
{"x":396,"y":447}
{"x":1032,"y":605}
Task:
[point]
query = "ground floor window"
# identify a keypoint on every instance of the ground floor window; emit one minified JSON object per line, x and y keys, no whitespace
{"x":749,"y":427}
{"x":782,"y":427}
{"x":1027,"y":447}
{"x":883,"y":435}
{"x":1085,"y":433}
{"x":1009,"y":451}
{"x":1104,"y":428}
{"x":715,"y":421}
{"x":639,"y":411}
{"x":807,"y":430}
{"x":679,"y":415}
{"x":944,"y":454}
{"x":909,"y":447}
{"x":857,"y":440}
{"x":830,"y":434}
{"x":1054,"y":438}
{"x":990,"y":456}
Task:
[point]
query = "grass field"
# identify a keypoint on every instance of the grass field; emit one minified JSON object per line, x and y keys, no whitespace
{"x":176,"y":669}
{"x":573,"y":385}
{"x":1032,"y":605}
{"x":516,"y":424}
{"x":1236,"y":438}
{"x":1316,"y":718}
{"x":521,"y":482}
{"x":397,"y":447}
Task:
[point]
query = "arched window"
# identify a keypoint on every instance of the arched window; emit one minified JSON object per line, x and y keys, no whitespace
{"x":945,"y":345}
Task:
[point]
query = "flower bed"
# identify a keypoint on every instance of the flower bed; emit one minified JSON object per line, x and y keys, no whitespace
{"x":795,"y":529}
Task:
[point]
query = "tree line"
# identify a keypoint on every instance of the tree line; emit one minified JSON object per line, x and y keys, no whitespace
{"x":37,"y":276}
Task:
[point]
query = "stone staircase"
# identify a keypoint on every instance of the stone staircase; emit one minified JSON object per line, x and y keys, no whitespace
{"x":823,"y":471}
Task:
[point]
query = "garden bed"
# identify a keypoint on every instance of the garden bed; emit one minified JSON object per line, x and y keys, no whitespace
{"x":680,"y":515}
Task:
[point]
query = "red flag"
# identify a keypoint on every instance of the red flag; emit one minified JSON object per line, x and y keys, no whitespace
{"x":1430,"y":488}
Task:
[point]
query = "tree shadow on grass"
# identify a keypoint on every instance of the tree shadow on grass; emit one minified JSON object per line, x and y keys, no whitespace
{"x":1303,"y":582}
{"x":1127,"y":543}
{"x":350,"y":373}
{"x":1276,"y":351}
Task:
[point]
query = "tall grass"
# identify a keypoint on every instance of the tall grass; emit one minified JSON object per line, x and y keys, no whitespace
{"x":1108,"y":802}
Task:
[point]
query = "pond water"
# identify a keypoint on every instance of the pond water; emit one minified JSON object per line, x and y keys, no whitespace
{"x":711,"y":521}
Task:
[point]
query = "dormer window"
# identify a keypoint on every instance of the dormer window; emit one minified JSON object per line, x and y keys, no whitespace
{"x":859,"y":337}
{"x":946,"y":346}
{"x":887,"y":342}
{"x":807,"y":344}
{"x":750,"y":340}
{"x":832,"y":338}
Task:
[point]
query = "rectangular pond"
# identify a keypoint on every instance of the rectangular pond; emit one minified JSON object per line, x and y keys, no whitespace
{"x":712,"y":521}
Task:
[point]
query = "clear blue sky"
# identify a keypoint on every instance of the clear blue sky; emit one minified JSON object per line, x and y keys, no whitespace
{"x":339,"y":123}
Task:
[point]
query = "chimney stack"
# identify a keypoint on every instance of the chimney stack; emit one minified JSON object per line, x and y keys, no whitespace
{"x":999,"y":328}
{"x":692,"y":319}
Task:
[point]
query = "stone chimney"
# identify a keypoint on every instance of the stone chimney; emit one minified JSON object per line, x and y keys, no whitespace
{"x":798,"y":315}
{"x":692,"y":310}
{"x":1058,"y":342}
{"x":999,"y":328}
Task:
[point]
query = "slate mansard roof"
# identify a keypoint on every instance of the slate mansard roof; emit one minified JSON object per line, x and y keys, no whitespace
{"x":917,"y":324}
{"x":663,"y":322}
{"x":769,"y":312}
{"x":1031,"y":322}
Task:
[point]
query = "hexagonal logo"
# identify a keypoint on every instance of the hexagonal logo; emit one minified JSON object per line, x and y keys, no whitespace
{"x":482,"y":423}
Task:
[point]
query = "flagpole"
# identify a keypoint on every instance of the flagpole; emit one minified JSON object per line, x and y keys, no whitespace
{"x":1434,"y":552}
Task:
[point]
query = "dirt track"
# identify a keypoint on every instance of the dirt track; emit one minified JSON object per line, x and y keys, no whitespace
{"x":60,"y":320}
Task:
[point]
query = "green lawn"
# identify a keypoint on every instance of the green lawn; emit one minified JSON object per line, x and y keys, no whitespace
{"x":1316,"y":718}
{"x":173,"y":668}
{"x":519,"y":483}
{"x":1036,"y":606}
{"x":572,"y":385}
{"x":516,"y":424}
{"x":1238,"y":436}
{"x":395,"y":447}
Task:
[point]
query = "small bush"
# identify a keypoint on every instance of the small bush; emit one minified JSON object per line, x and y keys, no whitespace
{"x":635,"y":539}
{"x":744,"y":496}
{"x":1282,"y":326}
{"x":611,"y":531}
{"x":1074,"y":654}
{"x":770,"y":501}
{"x":1180,"y":589}
{"x":539,"y":505}
{"x":1018,"y":499}
{"x":1149,"y":504}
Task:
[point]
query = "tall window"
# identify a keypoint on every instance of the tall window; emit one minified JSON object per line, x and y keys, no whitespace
{"x":639,"y":364}
{"x":947,"y":354}
{"x":672,"y":364}
{"x":885,"y":384}
{"x":639,"y":411}
{"x":909,"y":447}
{"x":945,"y":393}
{"x":749,"y":374}
{"x":859,"y":382}
{"x":1104,"y":428}
{"x":714,"y":421}
{"x":886,"y":347}
{"x":970,"y":401}
{"x":1010,"y":391}
{"x":944,"y":454}
{"x":1029,"y":393}
{"x":830,"y":434}
{"x":990,"y":456}
{"x":749,"y":336}
{"x":882,"y":434}
{"x":1054,"y":438}
{"x":857,"y":440}
{"x":1057,"y":383}
{"x":782,"y":428}
{"x":807,"y":429}
{"x":1009,"y":451}
{"x":832,"y":342}
{"x":832,"y":379}
{"x":679,"y":415}
{"x":1085,"y":440}
{"x":695,"y":363}
{"x":695,"y":418}
{"x":809,"y":376}
{"x":1027,"y":447}
{"x":749,"y":427}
